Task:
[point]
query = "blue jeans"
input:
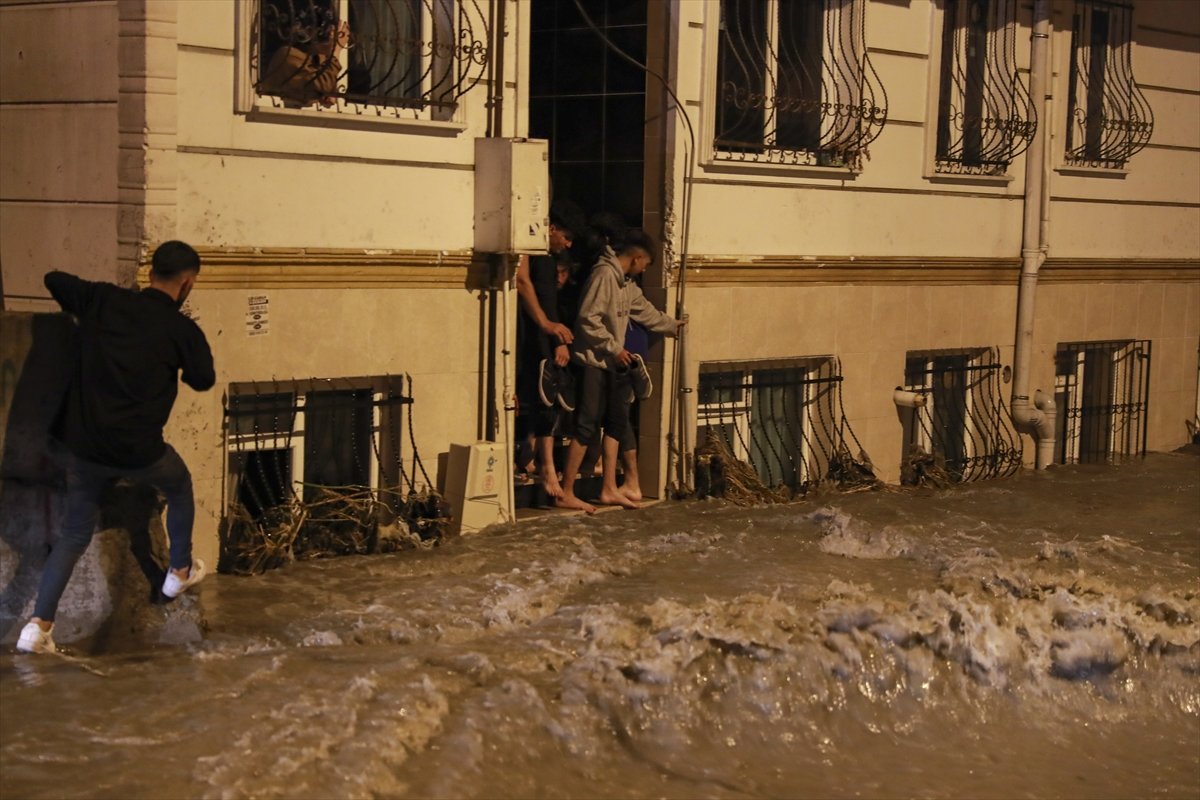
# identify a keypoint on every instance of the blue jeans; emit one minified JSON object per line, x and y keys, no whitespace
{"x":85,"y":483}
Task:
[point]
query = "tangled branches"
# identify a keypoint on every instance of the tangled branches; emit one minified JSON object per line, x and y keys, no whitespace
{"x":329,"y":521}
{"x":719,"y":473}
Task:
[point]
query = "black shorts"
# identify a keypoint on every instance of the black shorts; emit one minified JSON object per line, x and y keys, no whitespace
{"x":603,"y":402}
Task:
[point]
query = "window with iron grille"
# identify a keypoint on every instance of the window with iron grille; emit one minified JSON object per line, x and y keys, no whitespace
{"x":293,"y":440}
{"x":1108,"y":117}
{"x":963,"y":431}
{"x":1103,"y":396}
{"x":783,"y":418}
{"x":386,"y":58}
{"x":794,"y":83}
{"x":984,"y":118}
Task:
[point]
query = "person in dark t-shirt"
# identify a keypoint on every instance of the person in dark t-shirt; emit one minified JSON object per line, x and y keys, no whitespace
{"x":134,"y":347}
{"x":544,"y":333}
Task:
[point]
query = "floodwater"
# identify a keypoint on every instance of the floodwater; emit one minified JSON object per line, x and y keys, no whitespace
{"x":1031,"y":637}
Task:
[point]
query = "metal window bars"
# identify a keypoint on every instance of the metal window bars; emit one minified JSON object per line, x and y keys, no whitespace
{"x":784,"y":420}
{"x":963,"y":432}
{"x":985,"y":117}
{"x":317,"y":467}
{"x":1103,"y":394}
{"x":1108,"y":117}
{"x":795,"y":84}
{"x":392,"y":55}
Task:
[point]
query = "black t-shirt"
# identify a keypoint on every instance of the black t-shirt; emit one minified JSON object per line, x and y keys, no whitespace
{"x":543,"y":274}
{"x":133,"y":346}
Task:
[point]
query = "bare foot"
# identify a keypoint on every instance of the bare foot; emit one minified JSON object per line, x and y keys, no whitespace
{"x":550,"y":484}
{"x":634,"y":493}
{"x":571,"y":501}
{"x":615,"y":498}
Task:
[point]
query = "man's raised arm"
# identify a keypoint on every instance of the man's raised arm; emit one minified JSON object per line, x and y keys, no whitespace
{"x":72,"y":293}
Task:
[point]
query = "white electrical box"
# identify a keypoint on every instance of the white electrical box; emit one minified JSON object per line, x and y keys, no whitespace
{"x":512,"y":195}
{"x":477,"y":477}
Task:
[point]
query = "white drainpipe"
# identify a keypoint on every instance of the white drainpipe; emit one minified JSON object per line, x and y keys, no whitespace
{"x":1036,"y":417}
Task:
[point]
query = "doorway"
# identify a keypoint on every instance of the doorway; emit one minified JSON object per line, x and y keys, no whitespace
{"x":590,"y":103}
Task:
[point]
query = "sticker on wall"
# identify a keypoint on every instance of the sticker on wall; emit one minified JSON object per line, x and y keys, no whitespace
{"x":258,"y":322}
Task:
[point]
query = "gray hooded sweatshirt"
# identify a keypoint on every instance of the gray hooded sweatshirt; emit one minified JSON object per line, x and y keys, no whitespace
{"x":610,"y":300}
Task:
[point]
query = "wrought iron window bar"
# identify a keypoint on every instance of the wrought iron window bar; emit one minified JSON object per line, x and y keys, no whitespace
{"x":985,"y":117}
{"x":795,"y":84}
{"x":785,"y":420}
{"x":1104,"y":400}
{"x":296,"y":448}
{"x":963,"y":432}
{"x":1108,"y":117}
{"x":395,"y":55}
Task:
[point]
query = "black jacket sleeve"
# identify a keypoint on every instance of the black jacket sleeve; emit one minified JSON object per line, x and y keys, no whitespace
{"x":72,"y":293}
{"x":198,"y":371}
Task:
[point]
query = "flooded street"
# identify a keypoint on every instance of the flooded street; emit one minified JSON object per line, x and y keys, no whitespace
{"x":1031,"y":637}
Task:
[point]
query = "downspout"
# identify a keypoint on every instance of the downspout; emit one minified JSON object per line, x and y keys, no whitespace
{"x":508,"y":405}
{"x":1037,"y":417}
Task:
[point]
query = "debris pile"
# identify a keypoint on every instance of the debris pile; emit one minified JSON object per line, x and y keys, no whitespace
{"x":326,"y":521}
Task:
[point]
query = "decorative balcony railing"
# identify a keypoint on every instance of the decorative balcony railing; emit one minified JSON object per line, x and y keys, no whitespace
{"x":1108,"y":118}
{"x":795,"y":84}
{"x":390,"y":54}
{"x":985,"y":118}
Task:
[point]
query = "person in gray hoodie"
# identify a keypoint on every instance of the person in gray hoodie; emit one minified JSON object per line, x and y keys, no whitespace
{"x":610,"y":299}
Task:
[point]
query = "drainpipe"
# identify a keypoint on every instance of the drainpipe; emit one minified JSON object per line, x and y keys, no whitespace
{"x":1036,"y":417}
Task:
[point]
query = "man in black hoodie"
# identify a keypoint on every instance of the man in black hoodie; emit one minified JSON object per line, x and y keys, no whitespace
{"x":133,"y":348}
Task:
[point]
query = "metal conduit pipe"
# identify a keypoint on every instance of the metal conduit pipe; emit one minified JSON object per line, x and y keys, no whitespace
{"x":1036,"y":417}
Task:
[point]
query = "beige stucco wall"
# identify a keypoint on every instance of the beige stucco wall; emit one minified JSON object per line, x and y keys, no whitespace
{"x":58,"y":139}
{"x":431,"y":334}
{"x":330,"y":182}
{"x":894,"y":209}
{"x":870,"y":329}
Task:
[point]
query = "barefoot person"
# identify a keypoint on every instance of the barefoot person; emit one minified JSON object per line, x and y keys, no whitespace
{"x":544,"y":334}
{"x":610,"y":300}
{"x":134,"y":345}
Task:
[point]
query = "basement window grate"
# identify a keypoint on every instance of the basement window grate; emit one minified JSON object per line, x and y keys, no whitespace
{"x":782,"y":418}
{"x":1103,"y":396}
{"x":318,"y":467}
{"x":963,"y":432}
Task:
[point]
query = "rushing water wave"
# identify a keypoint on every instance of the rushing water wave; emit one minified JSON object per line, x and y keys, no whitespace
{"x":1033,"y":637}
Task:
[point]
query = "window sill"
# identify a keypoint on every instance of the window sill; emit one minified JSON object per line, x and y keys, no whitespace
{"x":733,"y":166}
{"x":351,"y":116}
{"x":951,"y":178}
{"x":1092,"y":172}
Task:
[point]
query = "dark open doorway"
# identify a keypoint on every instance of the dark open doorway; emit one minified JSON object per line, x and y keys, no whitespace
{"x":590,"y":103}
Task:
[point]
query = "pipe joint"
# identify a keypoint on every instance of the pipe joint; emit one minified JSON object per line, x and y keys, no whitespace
{"x":906,"y":399}
{"x":1040,"y":420}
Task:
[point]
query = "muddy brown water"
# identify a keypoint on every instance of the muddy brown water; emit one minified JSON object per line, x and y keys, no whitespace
{"x":1032,"y":637}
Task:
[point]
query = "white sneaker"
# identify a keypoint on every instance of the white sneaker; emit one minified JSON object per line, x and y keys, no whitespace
{"x":35,"y":640}
{"x":174,"y":586}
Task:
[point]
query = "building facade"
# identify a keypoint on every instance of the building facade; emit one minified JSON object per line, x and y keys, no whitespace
{"x":839,"y":187}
